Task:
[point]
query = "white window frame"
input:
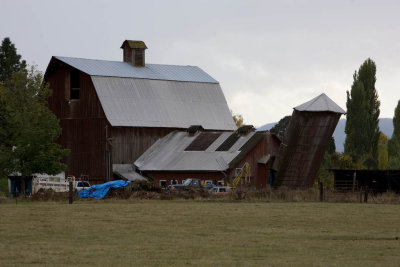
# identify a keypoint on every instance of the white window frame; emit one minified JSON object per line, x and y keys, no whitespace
{"x":163,"y":181}
{"x":237,"y":171}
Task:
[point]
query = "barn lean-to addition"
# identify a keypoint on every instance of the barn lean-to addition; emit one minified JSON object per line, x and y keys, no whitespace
{"x":213,"y":156}
{"x":112,"y":111}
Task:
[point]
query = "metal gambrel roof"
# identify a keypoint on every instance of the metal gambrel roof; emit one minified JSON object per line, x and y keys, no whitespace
{"x":319,"y":104}
{"x":168,"y":153}
{"x":157,"y":103}
{"x":150,"y":71}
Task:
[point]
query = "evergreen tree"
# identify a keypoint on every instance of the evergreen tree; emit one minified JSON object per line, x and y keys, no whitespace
{"x":331,"y":147}
{"x":280,"y":128}
{"x":31,"y":127}
{"x":394,"y":142}
{"x":362,"y":130}
{"x":10,"y":61}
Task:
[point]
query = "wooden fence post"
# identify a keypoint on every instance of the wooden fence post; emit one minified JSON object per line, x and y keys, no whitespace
{"x":71,"y":192}
{"x":366,"y":194}
{"x":321,"y":191}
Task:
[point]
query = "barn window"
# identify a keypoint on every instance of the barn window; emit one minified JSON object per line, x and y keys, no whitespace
{"x":237,"y":171}
{"x":163,"y":183}
{"x":75,"y":84}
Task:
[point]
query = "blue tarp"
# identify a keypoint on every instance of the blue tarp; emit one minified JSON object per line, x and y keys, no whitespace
{"x":99,"y":191}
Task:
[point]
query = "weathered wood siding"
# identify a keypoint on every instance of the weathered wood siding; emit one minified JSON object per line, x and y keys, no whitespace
{"x":83,"y":125}
{"x":303,"y":147}
{"x":129,"y":143}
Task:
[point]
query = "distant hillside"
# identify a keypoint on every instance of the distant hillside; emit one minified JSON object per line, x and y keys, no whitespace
{"x":385,"y":125}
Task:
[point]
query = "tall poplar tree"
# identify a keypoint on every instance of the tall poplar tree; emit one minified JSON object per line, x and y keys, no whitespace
{"x":362,"y":129}
{"x":394,"y":142}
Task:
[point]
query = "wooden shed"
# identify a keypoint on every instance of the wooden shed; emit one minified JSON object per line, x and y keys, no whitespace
{"x":112,"y":111}
{"x":213,"y":156}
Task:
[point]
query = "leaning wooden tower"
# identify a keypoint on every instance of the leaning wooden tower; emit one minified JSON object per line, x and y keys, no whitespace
{"x":305,"y":142}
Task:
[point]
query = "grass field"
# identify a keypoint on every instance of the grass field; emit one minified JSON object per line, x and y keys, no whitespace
{"x":199,"y":233}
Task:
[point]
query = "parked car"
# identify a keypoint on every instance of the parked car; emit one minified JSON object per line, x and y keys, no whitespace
{"x":81,"y":185}
{"x":220,"y":190}
{"x":190,"y":184}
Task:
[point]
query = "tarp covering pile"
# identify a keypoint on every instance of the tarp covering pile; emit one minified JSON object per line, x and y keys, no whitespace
{"x":99,"y":191}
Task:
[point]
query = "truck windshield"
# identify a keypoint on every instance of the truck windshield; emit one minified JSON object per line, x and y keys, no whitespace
{"x":187,"y":182}
{"x":83,"y":184}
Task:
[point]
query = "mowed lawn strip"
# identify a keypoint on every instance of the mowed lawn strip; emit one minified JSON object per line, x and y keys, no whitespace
{"x":199,"y":233}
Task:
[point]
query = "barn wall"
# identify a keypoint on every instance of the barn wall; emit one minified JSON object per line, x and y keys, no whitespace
{"x":259,"y":173}
{"x":129,"y":143}
{"x":83,"y":125}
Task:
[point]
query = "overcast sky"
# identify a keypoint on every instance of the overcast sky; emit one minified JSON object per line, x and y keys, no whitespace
{"x":269,"y":56}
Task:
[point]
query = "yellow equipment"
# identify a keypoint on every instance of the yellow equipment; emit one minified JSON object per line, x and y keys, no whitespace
{"x":244,"y":173}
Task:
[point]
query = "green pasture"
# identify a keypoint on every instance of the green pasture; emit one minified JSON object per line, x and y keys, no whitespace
{"x":198,"y":233}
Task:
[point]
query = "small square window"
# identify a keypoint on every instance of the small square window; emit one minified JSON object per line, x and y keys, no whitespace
{"x":74,"y":84}
{"x":163,"y":183}
{"x":237,"y":171}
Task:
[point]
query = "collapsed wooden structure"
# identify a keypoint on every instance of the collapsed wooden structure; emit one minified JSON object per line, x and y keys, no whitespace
{"x":305,"y":142}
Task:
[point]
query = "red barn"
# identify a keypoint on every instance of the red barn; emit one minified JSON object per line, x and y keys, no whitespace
{"x":112,"y":111}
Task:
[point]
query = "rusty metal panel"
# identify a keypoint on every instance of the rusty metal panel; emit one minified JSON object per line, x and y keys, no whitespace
{"x":203,"y":141}
{"x":303,"y":147}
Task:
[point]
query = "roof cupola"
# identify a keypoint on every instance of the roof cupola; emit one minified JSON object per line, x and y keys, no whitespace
{"x":134,"y":52}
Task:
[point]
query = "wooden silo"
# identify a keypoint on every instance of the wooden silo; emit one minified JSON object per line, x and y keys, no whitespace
{"x":305,"y":142}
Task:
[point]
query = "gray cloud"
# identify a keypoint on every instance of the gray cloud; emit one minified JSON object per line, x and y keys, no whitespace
{"x":269,"y":56}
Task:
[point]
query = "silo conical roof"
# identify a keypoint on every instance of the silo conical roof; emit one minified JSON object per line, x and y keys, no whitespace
{"x":320,"y":103}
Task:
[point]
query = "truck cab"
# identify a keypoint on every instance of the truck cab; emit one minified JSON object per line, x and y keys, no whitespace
{"x":81,"y":185}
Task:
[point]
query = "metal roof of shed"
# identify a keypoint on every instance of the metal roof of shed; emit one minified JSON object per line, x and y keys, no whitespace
{"x":150,"y":71}
{"x":168,"y":153}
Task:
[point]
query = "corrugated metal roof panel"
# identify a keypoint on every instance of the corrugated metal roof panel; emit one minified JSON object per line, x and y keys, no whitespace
{"x":150,"y":71}
{"x":241,"y":141}
{"x":157,"y":103}
{"x":319,"y":104}
{"x":126,"y":171}
{"x":168,"y":154}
